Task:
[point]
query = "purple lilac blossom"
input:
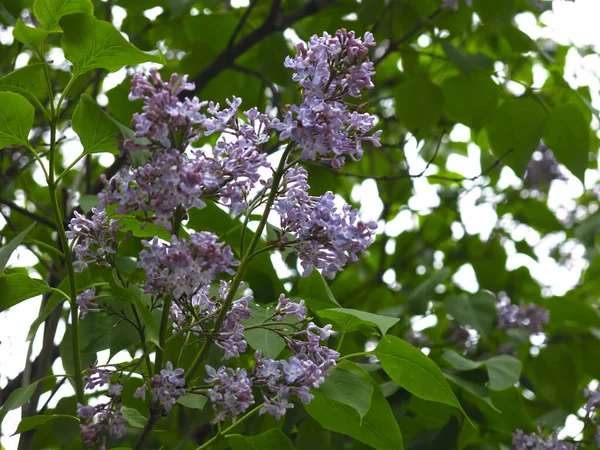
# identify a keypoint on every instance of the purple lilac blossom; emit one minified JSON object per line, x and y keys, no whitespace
{"x":329,"y":69}
{"x":326,"y":237}
{"x":231,"y":335}
{"x":101,"y":421}
{"x":231,"y":394}
{"x":86,"y":301}
{"x":533,"y":441}
{"x":591,"y":407}
{"x":528,"y":317}
{"x":97,"y":239}
{"x":183,"y":266}
{"x":166,"y":387}
{"x":97,"y":377}
{"x":279,"y":380}
{"x":286,"y":307}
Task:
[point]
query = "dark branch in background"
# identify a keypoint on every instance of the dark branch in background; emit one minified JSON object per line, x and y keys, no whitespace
{"x":274,"y":22}
{"x":25,"y":212}
{"x":241,"y":23}
{"x":265,"y":80}
{"x":419,"y":175}
{"x":409,"y":34}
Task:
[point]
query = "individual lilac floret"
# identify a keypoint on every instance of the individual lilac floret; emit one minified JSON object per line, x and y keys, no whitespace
{"x":529,"y":317}
{"x":325,"y":126}
{"x":183,"y":266}
{"x":166,"y":121}
{"x":103,"y":420}
{"x":326,"y":237}
{"x":166,"y":387}
{"x":97,"y":239}
{"x":533,"y":441}
{"x":97,"y":377}
{"x":231,"y":394}
{"x":286,"y":307}
{"x":86,"y":301}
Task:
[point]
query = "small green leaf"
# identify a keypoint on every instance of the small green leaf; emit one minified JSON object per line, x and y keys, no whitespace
{"x":87,"y":202}
{"x":378,"y":428}
{"x":265,"y":340}
{"x":477,"y":310}
{"x":90,"y":44}
{"x":10,"y":247}
{"x":270,"y":439}
{"x":567,"y":135}
{"x":133,"y":417}
{"x":28,"y":81}
{"x":517,"y":127}
{"x":193,"y":401}
{"x":16,"y":119}
{"x":49,"y":12}
{"x":19,"y":397}
{"x":96,"y":131}
{"x":353,"y":319}
{"x":348,"y":388}
{"x":410,"y":368}
{"x":29,"y":423}
{"x":314,"y":290}
{"x":18,"y":287}
{"x":471,"y":99}
{"x":419,"y":104}
{"x":467,"y":62}
{"x":504,"y":371}
{"x":29,"y":35}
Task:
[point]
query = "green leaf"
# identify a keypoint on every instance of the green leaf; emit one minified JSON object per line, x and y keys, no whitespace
{"x":49,"y":12}
{"x":10,"y":247}
{"x":96,"y":131}
{"x":408,"y":367}
{"x":28,"y":81}
{"x":29,"y":423}
{"x":133,"y":417}
{"x":18,"y":287}
{"x":16,"y":119}
{"x":419,"y":104}
{"x":567,"y":135}
{"x":133,"y":295}
{"x":29,"y":35}
{"x":90,"y":44}
{"x":476,"y":310}
{"x":503,"y":371}
{"x":265,"y":340}
{"x":467,"y":62}
{"x":270,"y":439}
{"x":348,"y":388}
{"x":378,"y":428}
{"x":471,"y":99}
{"x":314,"y":290}
{"x":353,"y":319}
{"x":193,"y":401}
{"x":19,"y":397}
{"x":479,"y":391}
{"x":517,"y":127}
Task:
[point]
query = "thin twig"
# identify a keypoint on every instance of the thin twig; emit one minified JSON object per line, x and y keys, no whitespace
{"x":241,"y":23}
{"x":25,"y":212}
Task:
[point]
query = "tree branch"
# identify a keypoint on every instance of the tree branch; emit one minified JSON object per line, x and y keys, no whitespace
{"x":274,"y":22}
{"x":25,"y":212}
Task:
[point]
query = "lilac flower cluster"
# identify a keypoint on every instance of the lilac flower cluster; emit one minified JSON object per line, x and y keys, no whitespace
{"x":171,"y":177}
{"x":97,"y":239}
{"x":528,"y":317}
{"x":231,"y":335}
{"x":86,"y":302}
{"x":533,"y":441}
{"x":165,"y":389}
{"x":103,"y":420}
{"x":183,"y":266}
{"x":325,"y":237}
{"x":279,"y":380}
{"x":325,"y":126}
